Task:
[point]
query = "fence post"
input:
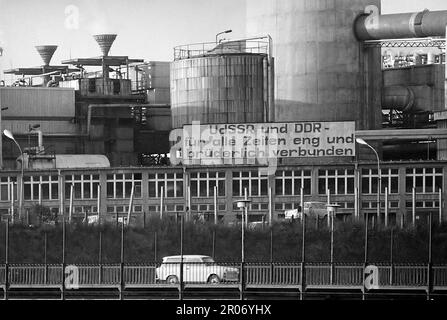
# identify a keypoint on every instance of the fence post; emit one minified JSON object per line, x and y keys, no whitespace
{"x":63,"y":258}
{"x":122,"y":263}
{"x":430,"y":253}
{"x":271,"y":255}
{"x":181,"y":259}
{"x":303,"y":257}
{"x":243,"y":280}
{"x":45,"y":258}
{"x":332,"y":247}
{"x":6,"y":259}
{"x":365,"y":261}
{"x":392,"y":257}
{"x":100,"y":257}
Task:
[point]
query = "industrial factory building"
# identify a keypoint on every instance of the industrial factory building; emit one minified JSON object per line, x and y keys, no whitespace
{"x":310,"y":79}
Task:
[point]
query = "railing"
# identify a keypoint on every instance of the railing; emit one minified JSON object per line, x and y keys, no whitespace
{"x":410,"y":275}
{"x":262,"y":274}
{"x":348,"y":275}
{"x":209,"y":48}
{"x":2,"y":275}
{"x":34,"y":274}
{"x":272,"y":274}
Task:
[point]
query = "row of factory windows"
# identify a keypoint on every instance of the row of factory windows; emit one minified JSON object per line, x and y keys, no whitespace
{"x":209,"y":208}
{"x":204,"y":184}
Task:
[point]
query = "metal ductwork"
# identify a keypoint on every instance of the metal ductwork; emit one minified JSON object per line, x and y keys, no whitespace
{"x":399,"y":26}
{"x":398,"y":97}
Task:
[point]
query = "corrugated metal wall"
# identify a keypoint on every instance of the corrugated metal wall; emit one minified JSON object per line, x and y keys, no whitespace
{"x":217,"y":89}
{"x":37,"y":102}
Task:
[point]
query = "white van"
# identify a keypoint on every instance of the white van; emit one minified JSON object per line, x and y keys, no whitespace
{"x":312,"y":209}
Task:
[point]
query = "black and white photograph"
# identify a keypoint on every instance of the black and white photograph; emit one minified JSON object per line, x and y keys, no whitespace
{"x":223,"y":155}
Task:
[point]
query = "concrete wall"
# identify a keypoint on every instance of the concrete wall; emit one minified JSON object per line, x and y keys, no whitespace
{"x":321,"y":70}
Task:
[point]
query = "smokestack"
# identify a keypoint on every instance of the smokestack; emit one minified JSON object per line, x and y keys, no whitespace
{"x":105,"y":41}
{"x":46,"y":53}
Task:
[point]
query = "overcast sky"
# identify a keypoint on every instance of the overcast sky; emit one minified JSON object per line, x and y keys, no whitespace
{"x":147,"y":29}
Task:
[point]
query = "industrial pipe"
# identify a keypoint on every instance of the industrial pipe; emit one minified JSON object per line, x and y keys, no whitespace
{"x":399,"y":98}
{"x":399,"y":26}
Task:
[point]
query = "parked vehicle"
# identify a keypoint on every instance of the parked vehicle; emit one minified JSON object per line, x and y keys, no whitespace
{"x":196,"y":268}
{"x":312,"y":209}
{"x":315,"y":209}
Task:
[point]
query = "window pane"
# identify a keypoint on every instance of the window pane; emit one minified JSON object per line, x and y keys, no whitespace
{"x":128,"y":189}
{"x":245,"y":185}
{"x":307,"y":186}
{"x":212,"y":184}
{"x":419,"y":181}
{"x":322,"y":186}
{"x":221,"y":188}
{"x":394,"y":185}
{"x":203,"y":189}
{"x":137,"y":191}
{"x":297,"y":186}
{"x":341,"y":186}
{"x":236,"y":188}
{"x":438,"y":184}
{"x":373,"y":182}
{"x":350,"y":186}
{"x":170,"y":191}
{"x":151,"y":188}
{"x":264,"y":187}
{"x":194,"y":191}
{"x":54,"y":191}
{"x":179,"y":188}
{"x":278,"y":187}
{"x":110,"y":190}
{"x":36,"y":191}
{"x":384,"y":184}
{"x":288,"y":186}
{"x":77,"y":191}
{"x":254,"y":187}
{"x":45,"y":191}
{"x":87,"y":193}
{"x":4,"y":192}
{"x":429,"y":184}
{"x":409,"y":184}
{"x":27,"y":191}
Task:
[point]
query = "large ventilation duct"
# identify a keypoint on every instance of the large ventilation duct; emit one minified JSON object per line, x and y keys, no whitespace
{"x":46,"y":53}
{"x":105,"y":42}
{"x":399,"y":26}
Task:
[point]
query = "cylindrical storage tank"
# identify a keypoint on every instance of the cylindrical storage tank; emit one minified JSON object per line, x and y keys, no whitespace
{"x":322,"y":72}
{"x":225,"y":88}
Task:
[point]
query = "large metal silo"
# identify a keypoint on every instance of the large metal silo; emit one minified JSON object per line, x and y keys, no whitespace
{"x":221,"y":85}
{"x":322,"y":72}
